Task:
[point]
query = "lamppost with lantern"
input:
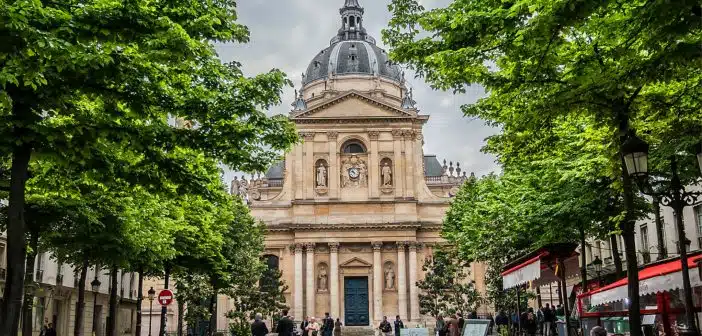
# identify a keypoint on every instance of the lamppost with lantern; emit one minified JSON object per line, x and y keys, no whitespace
{"x":95,"y":286}
{"x":672,"y":194}
{"x":597,"y":266}
{"x":152,"y":295}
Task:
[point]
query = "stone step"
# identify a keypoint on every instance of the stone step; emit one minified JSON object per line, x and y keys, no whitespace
{"x":357,"y":331}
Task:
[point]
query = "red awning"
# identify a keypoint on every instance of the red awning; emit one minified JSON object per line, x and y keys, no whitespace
{"x":661,"y":277}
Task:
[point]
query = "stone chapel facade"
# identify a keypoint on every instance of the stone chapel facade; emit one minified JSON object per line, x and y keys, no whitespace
{"x":354,"y":210}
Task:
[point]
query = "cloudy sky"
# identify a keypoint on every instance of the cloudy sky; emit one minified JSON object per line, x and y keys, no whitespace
{"x":286,"y":34}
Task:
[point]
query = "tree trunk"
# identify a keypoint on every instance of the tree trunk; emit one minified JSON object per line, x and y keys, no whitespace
{"x":616,"y":257}
{"x":630,"y":250}
{"x":583,"y":267}
{"x":112,"y":315}
{"x":140,"y":299}
{"x":181,"y":312}
{"x":16,"y":248}
{"x":662,"y":251}
{"x":80,"y":305}
{"x":213,"y":313}
{"x":164,"y":309}
{"x":28,"y":281}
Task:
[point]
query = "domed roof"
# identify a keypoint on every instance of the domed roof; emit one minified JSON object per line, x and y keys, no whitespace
{"x":351,"y":51}
{"x":352,"y":57}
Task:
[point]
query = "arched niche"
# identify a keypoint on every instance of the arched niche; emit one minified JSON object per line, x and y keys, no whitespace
{"x":389,"y":275}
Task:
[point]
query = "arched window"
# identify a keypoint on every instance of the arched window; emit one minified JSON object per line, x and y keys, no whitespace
{"x":353,"y":147}
{"x":269,"y":278}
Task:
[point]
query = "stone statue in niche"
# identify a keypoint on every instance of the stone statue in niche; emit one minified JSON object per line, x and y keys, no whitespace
{"x":322,"y":279}
{"x":321,"y":175}
{"x":389,"y":278}
{"x":243,"y":187}
{"x":386,"y":173}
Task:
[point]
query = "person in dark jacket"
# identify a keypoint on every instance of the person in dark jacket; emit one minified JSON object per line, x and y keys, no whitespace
{"x":461,"y":322}
{"x":258,"y":327}
{"x":327,"y":325}
{"x":50,"y":331}
{"x":530,"y":322}
{"x":285,"y":325}
{"x":303,"y":326}
{"x":398,"y":325}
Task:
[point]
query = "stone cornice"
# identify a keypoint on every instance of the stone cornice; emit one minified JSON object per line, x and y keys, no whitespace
{"x":362,"y":120}
{"x":352,"y":227}
{"x":355,"y":94}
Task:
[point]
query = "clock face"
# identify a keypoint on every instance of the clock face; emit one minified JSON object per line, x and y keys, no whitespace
{"x":353,"y":173}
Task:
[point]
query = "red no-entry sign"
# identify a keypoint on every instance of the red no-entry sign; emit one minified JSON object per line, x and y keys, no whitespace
{"x":165,"y":297}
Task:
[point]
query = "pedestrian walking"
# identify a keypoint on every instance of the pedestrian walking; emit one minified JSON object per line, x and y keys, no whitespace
{"x":398,"y":325}
{"x":441,"y":325}
{"x":303,"y":326}
{"x":385,"y":327}
{"x":258,"y":327}
{"x":452,"y":326}
{"x":313,"y":327}
{"x":285,"y":326}
{"x":327,"y":325}
{"x":548,"y":320}
{"x":50,"y":331}
{"x":337,"y":327}
{"x":461,"y":323}
{"x":530,"y":323}
{"x":502,"y":322}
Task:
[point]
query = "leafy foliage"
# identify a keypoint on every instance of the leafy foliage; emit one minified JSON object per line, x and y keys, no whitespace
{"x":445,"y":287}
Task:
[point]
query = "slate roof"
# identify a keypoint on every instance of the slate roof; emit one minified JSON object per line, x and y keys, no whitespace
{"x":352,"y":57}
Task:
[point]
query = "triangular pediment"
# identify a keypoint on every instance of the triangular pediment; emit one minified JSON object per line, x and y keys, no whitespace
{"x":354,"y":104}
{"x":355,"y":262}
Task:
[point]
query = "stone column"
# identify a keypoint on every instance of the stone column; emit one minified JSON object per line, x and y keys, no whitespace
{"x":377,"y":282}
{"x":309,"y":309}
{"x":297,"y":286}
{"x":333,"y":172}
{"x":414,"y":295}
{"x":334,"y":279}
{"x":401,"y":280}
{"x":373,"y":165}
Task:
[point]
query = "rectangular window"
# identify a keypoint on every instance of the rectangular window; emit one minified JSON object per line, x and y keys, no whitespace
{"x":698,"y":217}
{"x":644,"y":237}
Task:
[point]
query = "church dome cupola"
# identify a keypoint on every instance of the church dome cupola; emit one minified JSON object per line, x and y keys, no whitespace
{"x":352,"y":51}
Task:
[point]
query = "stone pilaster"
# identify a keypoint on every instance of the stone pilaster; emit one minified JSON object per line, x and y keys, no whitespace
{"x":374,"y":173}
{"x":414,"y":295}
{"x":399,"y":166}
{"x":409,"y":163}
{"x":334,"y":279}
{"x":308,"y":166}
{"x":297,"y":285}
{"x":333,"y":172}
{"x":310,"y":280}
{"x":401,"y":280}
{"x":377,"y":282}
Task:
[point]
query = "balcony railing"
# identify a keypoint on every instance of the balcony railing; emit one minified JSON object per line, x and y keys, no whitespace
{"x":3,"y":273}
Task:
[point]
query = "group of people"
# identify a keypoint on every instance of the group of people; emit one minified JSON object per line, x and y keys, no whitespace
{"x":530,"y":322}
{"x":308,"y":327}
{"x":47,"y":329}
{"x":386,"y":329}
{"x":452,"y":325}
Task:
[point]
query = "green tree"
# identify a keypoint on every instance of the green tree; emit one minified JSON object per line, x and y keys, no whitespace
{"x":446,"y":287}
{"x":83,"y":78}
{"x":545,"y":61}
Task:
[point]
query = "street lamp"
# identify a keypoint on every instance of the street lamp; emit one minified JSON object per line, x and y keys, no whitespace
{"x":152,"y":294}
{"x":673,"y":195}
{"x":95,"y":285}
{"x":635,"y":153}
{"x":597,"y":265}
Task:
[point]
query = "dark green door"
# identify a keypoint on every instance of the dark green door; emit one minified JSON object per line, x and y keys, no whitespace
{"x":356,"y":301}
